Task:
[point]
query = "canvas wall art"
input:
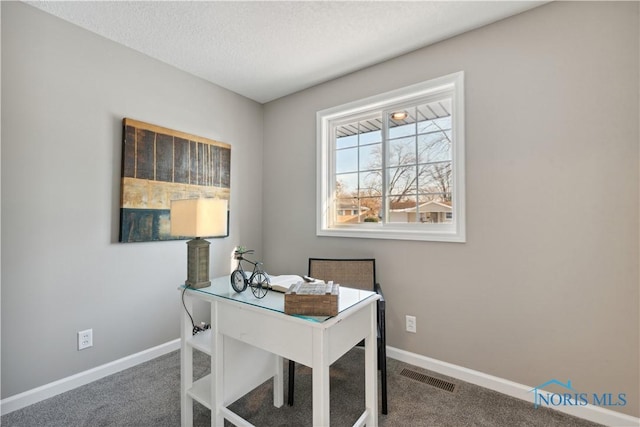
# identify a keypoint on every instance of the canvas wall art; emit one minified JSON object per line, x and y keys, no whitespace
{"x":160,"y":165}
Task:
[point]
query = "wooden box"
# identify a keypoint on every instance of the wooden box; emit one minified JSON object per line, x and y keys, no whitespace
{"x":312,"y":299}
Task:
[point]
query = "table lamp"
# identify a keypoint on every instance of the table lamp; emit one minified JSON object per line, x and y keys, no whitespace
{"x":198,"y":218}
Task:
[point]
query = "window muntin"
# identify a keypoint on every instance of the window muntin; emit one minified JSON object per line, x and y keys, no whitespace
{"x":384,"y":176}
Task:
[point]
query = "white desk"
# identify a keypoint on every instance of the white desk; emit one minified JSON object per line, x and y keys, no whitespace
{"x":250,"y":336}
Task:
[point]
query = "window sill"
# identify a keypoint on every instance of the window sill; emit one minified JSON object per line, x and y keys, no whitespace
{"x":377,"y":231}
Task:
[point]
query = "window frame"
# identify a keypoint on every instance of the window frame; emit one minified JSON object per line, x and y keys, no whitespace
{"x":327,"y":119}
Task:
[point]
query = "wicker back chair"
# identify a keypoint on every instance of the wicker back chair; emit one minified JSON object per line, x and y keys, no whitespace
{"x":354,"y":273}
{"x":359,"y":274}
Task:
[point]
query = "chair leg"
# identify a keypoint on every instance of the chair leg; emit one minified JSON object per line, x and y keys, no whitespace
{"x":383,"y":373}
{"x":382,"y":360}
{"x":292,"y":371}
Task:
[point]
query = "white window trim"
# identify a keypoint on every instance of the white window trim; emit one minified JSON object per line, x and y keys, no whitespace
{"x":455,"y":232}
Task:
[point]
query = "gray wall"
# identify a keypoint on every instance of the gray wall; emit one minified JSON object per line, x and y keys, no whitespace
{"x":547,"y":284}
{"x":64,"y":94}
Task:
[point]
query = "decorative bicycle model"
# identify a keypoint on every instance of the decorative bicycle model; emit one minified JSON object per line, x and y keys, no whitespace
{"x":258,"y":281}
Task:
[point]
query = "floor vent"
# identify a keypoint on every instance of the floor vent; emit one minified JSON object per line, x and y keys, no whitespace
{"x":426,"y":379}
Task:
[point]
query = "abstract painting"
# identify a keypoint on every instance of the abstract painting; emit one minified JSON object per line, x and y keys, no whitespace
{"x":160,"y":165}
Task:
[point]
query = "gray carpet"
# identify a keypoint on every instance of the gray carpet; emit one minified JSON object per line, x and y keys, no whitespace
{"x":148,"y":395}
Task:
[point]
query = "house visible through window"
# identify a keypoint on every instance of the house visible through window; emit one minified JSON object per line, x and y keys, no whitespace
{"x":392,"y":166}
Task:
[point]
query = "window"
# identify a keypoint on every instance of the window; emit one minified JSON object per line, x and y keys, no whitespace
{"x":392,"y":166}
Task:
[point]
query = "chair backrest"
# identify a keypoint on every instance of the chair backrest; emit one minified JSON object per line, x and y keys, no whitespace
{"x":353,"y":273}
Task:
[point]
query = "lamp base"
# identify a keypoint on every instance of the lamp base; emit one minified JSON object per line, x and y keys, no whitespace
{"x":198,"y":263}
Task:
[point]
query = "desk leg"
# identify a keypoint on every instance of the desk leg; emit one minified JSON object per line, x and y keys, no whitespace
{"x":186,"y":365}
{"x":371,"y":369}
{"x":320,"y":378}
{"x":217,"y":369}
{"x":278,"y":383}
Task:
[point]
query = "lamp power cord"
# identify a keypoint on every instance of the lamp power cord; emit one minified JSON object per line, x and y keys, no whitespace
{"x":195,"y":328}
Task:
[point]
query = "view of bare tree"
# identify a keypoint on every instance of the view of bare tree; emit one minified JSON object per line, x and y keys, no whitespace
{"x":418,"y":170}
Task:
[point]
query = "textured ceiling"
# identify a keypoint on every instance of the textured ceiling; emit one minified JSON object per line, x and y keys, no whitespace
{"x":268,"y":49}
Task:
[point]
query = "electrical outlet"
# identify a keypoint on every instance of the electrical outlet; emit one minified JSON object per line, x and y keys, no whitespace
{"x":85,"y":339}
{"x":410,"y":323}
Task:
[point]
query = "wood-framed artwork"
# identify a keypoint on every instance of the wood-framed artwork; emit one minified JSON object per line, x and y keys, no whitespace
{"x":160,"y":165}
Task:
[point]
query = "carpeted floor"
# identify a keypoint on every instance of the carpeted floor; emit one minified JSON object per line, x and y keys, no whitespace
{"x":148,"y":395}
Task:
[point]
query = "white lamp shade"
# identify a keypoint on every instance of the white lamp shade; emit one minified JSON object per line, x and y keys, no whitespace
{"x":199,"y":217}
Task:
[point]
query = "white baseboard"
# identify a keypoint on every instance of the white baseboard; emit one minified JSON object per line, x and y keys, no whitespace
{"x":519,"y":391}
{"x":46,"y":391}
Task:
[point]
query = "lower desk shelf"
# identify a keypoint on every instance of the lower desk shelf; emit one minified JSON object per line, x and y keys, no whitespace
{"x":201,"y":391}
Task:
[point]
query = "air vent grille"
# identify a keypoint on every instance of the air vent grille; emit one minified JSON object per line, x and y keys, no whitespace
{"x":426,"y":379}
